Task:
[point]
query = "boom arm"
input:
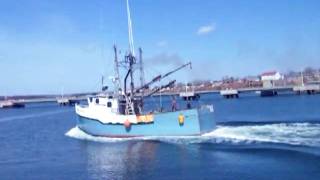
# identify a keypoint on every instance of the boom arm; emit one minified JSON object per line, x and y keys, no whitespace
{"x":181,"y":67}
{"x":159,"y":77}
{"x":170,"y":84}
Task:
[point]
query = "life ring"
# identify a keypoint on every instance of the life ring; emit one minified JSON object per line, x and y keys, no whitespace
{"x":181,"y":119}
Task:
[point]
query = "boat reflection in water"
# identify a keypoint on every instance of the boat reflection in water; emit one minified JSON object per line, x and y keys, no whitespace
{"x":121,"y":160}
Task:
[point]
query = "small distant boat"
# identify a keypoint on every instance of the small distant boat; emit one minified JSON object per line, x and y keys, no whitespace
{"x":63,"y":101}
{"x":11,"y":104}
{"x":66,"y":100}
{"x":122,"y":113}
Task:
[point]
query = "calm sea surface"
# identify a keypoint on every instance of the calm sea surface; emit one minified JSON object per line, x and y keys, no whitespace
{"x":256,"y":138}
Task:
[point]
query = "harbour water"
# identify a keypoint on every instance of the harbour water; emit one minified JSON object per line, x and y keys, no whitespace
{"x":256,"y":138}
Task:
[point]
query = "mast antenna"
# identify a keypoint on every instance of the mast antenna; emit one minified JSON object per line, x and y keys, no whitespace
{"x":131,"y":46}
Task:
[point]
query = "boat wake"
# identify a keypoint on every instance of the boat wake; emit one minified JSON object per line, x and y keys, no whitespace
{"x":306,"y":134}
{"x":287,"y":133}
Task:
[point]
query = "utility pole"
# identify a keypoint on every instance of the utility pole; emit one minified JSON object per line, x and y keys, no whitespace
{"x":302,"y":81}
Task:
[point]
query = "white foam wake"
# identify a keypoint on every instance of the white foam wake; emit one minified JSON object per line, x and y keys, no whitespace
{"x":79,"y":134}
{"x":287,"y":133}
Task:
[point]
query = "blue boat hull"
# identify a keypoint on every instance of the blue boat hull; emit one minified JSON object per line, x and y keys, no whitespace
{"x":196,"y":122}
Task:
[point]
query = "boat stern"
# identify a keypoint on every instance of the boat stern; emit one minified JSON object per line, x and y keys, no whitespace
{"x":206,"y":118}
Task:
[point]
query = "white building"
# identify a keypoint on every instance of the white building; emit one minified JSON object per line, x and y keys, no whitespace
{"x":271,"y":76}
{"x":268,"y":78}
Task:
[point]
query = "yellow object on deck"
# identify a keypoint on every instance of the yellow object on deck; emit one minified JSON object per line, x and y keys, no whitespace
{"x":181,"y":119}
{"x":145,"y":118}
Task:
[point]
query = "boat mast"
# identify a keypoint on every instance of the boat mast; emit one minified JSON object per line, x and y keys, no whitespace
{"x":129,"y":96}
{"x":131,"y":60}
{"x":142,"y":80}
{"x":131,"y":56}
{"x":116,"y":70}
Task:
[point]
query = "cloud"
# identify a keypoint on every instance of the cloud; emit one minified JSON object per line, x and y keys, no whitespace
{"x":164,"y":59}
{"x":164,"y":62}
{"x":162,"y":43}
{"x":203,"y":30}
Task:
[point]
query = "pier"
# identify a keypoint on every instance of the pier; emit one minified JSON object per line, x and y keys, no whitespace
{"x":20,"y":101}
{"x":273,"y":91}
{"x":236,"y":93}
{"x":309,"y":89}
{"x":270,"y":86}
{"x":230,"y":93}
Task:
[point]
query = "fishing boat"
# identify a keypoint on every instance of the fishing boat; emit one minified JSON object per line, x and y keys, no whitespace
{"x":11,"y":104}
{"x":122,"y":113}
{"x":66,"y":100}
{"x":63,"y":101}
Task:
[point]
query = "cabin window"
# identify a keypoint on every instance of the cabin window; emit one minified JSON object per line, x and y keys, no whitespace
{"x":97,"y":101}
{"x":110,"y":97}
{"x":109,"y":104}
{"x":90,"y":99}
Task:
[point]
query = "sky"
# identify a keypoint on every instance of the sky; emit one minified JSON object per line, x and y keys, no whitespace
{"x":59,"y":46}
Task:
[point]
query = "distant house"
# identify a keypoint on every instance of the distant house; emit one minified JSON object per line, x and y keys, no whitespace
{"x":268,"y":78}
{"x":271,"y":76}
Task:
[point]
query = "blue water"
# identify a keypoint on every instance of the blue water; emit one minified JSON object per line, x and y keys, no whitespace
{"x":256,"y":138}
